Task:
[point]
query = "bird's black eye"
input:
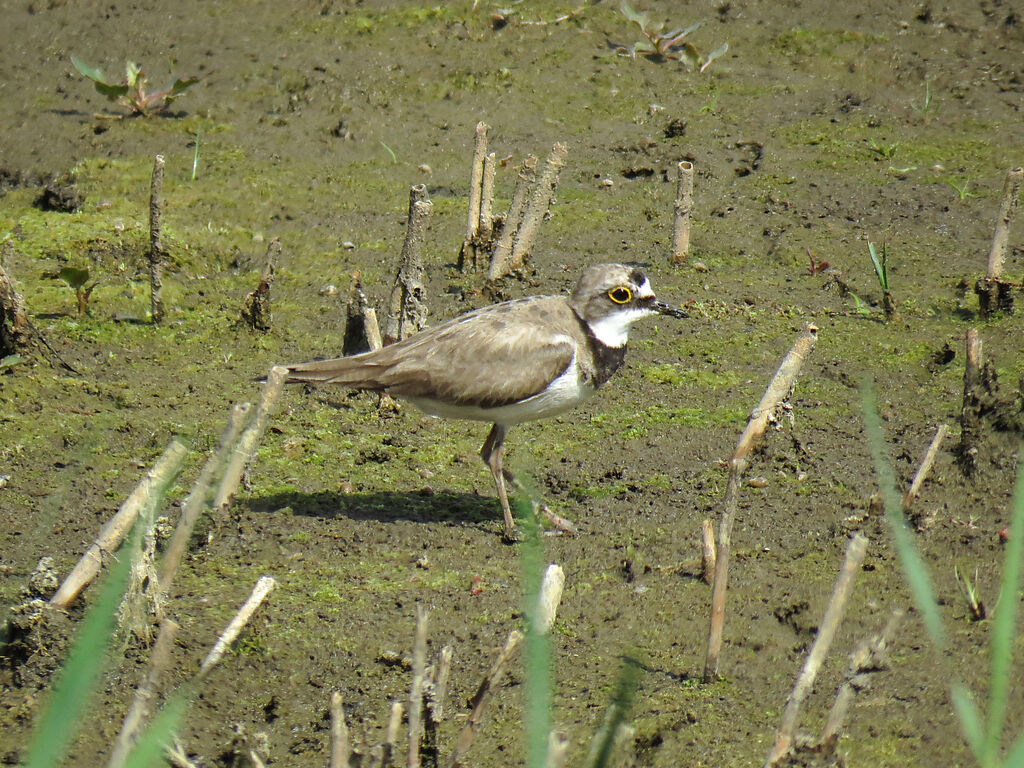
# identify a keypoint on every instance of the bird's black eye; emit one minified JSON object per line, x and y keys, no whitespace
{"x":620,"y":295}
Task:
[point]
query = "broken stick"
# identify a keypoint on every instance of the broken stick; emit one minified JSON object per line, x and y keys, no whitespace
{"x":776,"y":393}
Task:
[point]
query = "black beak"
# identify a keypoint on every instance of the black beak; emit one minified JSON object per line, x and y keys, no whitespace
{"x":667,"y":309}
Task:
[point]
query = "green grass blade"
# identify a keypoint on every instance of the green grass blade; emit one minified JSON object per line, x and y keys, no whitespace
{"x":970,"y":720}
{"x":536,"y":653}
{"x":1015,"y":757}
{"x":913,"y":566}
{"x":66,"y":709}
{"x":880,"y":266}
{"x":149,"y":748}
{"x":618,"y":712}
{"x":1004,"y":626}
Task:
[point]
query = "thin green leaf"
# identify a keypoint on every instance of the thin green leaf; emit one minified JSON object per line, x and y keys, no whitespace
{"x":180,"y":85}
{"x":1004,"y":626}
{"x":10,"y":360}
{"x":149,"y":749}
{"x":618,"y":712}
{"x":970,"y":719}
{"x":110,"y":90}
{"x":1015,"y":757}
{"x":913,"y":566}
{"x":93,"y":73}
{"x":636,"y":18}
{"x":74,"y":277}
{"x":719,"y":51}
{"x":67,"y":707}
{"x":880,"y":265}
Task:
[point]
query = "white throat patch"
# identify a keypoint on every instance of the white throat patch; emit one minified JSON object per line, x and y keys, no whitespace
{"x":613,"y":330}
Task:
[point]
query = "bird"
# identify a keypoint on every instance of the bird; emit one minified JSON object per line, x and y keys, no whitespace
{"x":507,"y":363}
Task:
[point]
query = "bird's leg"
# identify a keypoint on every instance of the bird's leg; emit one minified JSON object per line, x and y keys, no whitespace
{"x":491,"y":453}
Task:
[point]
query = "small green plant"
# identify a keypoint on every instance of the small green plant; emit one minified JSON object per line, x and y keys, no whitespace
{"x":880,"y":261}
{"x":984,"y":736}
{"x":969,"y":591}
{"x":79,"y":280}
{"x":885,"y":151}
{"x":961,"y":188}
{"x":195,"y":159}
{"x":928,"y":106}
{"x":132,"y":94}
{"x":660,"y":45}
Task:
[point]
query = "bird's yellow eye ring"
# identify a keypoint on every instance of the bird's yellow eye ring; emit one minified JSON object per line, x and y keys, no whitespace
{"x":620,"y":295}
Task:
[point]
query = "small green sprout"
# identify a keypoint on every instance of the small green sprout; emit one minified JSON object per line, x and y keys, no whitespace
{"x":661,"y":45}
{"x":882,"y":150}
{"x":969,"y":590}
{"x":77,"y":279}
{"x":132,"y":94}
{"x":928,"y":107}
{"x":961,"y":189}
{"x":880,"y":261}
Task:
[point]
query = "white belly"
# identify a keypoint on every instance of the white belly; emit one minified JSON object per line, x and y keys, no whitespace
{"x":563,"y":393}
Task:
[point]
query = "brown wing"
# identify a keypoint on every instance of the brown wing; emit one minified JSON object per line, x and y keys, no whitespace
{"x":493,"y":356}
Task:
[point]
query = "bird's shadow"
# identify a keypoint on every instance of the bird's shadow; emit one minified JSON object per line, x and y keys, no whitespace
{"x":385,"y":506}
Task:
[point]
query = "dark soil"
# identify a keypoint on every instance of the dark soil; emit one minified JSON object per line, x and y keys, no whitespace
{"x":826,"y":125}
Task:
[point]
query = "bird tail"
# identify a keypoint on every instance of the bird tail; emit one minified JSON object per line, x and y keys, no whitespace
{"x":348,"y":371}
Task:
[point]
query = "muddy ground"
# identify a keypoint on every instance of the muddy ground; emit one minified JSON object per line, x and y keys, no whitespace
{"x":826,"y":126}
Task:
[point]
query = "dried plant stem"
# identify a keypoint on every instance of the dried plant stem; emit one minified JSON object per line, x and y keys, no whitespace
{"x":513,"y":219}
{"x":156,"y":249}
{"x":558,"y":749}
{"x":485,"y":227}
{"x":391,"y":738}
{"x":708,"y":550}
{"x":245,"y":448}
{"x":419,"y":665}
{"x":256,"y":307}
{"x":480,"y":698}
{"x":197,"y":499}
{"x":113,"y":533}
{"x":1001,"y":233}
{"x":870,"y":656}
{"x":855,"y":551}
{"x":537,"y":206}
{"x":970,"y":410}
{"x":264,"y":586}
{"x":476,"y":184}
{"x":341,"y":750}
{"x":434,"y":692}
{"x":776,"y":393}
{"x":549,"y":596}
{"x":993,"y":292}
{"x":683,"y":210}
{"x":15,"y":328}
{"x":407,"y":309}
{"x":926,"y":466}
{"x":141,"y":705}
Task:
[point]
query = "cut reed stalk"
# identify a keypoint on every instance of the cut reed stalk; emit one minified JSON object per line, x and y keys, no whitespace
{"x":113,"y":533}
{"x":776,"y":393}
{"x":157,"y":255}
{"x":683,"y":211}
{"x":925,"y":467}
{"x":264,"y":586}
{"x":855,"y":551}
